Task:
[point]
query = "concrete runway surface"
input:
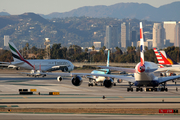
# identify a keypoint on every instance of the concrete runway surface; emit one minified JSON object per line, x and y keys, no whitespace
{"x":13,"y":116}
{"x":81,"y":97}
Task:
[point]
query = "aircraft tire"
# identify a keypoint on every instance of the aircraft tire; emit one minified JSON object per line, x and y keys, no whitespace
{"x":141,"y":89}
{"x":137,"y":89}
{"x":166,"y":89}
{"x":131,"y":89}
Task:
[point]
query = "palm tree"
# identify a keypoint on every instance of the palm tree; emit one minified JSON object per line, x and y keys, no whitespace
{"x":86,"y":50}
{"x":93,"y":48}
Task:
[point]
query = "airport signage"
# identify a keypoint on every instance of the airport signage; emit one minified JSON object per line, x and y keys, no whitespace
{"x":168,"y":111}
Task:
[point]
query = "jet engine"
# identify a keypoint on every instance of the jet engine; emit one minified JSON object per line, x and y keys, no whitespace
{"x":108,"y":83}
{"x":76,"y":81}
{"x":65,"y":69}
{"x":59,"y":79}
{"x":119,"y":80}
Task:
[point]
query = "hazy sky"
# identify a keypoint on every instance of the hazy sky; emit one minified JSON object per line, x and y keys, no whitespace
{"x":49,"y":6}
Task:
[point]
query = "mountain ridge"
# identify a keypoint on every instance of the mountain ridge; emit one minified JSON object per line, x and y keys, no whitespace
{"x":124,"y":10}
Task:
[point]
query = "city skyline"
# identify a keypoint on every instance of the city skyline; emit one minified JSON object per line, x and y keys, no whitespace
{"x":15,"y":7}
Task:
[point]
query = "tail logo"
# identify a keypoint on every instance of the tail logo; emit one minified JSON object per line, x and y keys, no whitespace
{"x":18,"y":56}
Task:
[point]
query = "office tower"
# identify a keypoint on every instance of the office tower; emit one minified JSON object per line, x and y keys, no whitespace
{"x":125,"y":35}
{"x":149,"y":43}
{"x":6,"y":40}
{"x":97,"y":45}
{"x":158,"y":35}
{"x":111,"y":40}
{"x":169,"y":27}
{"x":133,"y":38}
{"x":177,"y":35}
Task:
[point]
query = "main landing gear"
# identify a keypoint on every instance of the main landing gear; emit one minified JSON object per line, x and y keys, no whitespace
{"x":92,"y":82}
{"x":139,"y":89}
{"x":164,"y":87}
{"x":130,"y":88}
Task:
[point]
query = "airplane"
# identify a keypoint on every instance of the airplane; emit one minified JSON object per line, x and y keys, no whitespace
{"x":166,"y":62}
{"x":37,"y":67}
{"x":100,"y":79}
{"x":163,"y":58}
{"x":143,"y":74}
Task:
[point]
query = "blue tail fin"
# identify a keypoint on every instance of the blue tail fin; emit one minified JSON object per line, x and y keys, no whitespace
{"x":108,"y":58}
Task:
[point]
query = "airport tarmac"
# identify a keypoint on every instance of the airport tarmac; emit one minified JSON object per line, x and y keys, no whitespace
{"x":12,"y":116}
{"x":80,"y":97}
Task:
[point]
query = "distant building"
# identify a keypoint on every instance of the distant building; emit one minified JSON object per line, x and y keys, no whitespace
{"x":147,"y":35}
{"x":158,"y":35}
{"x":177,"y":35}
{"x":125,"y":35}
{"x":169,"y":27}
{"x":6,"y":40}
{"x":97,"y":45}
{"x":149,"y":43}
{"x":111,"y":40}
{"x":133,"y":38}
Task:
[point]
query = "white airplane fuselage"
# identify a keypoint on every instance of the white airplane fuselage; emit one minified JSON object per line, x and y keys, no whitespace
{"x":146,"y":78}
{"x":99,"y":79}
{"x":46,"y":65}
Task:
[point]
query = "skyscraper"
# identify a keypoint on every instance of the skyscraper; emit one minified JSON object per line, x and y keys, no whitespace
{"x":125,"y":35}
{"x":6,"y":40}
{"x":111,"y":40}
{"x":133,"y":38}
{"x":177,"y":35}
{"x":169,"y":27}
{"x":158,"y":35}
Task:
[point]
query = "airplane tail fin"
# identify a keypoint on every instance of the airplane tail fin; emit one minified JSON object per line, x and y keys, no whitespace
{"x":108,"y":58}
{"x":168,"y":58}
{"x":16,"y":54}
{"x":142,"y":44}
{"x":164,"y":58}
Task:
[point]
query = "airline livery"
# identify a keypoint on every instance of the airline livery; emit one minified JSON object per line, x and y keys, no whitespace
{"x":164,"y":58}
{"x":38,"y":66}
{"x":94,"y":80}
{"x":143,"y":74}
{"x":166,"y":63}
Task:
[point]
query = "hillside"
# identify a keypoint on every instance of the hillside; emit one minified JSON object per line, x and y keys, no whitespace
{"x":125,"y":10}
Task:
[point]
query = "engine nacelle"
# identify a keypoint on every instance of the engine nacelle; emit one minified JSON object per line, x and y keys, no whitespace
{"x":119,"y":80}
{"x":108,"y":83}
{"x":59,"y":79}
{"x":65,"y":69}
{"x":76,"y":81}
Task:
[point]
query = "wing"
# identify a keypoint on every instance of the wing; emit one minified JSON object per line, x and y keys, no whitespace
{"x":169,"y":69}
{"x":4,"y":63}
{"x":164,"y":79}
{"x":129,"y":70}
{"x":126,"y":78}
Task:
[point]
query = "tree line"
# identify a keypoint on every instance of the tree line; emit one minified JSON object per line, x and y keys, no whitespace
{"x":74,"y":53}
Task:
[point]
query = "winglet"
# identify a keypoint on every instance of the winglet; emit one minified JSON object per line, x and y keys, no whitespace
{"x":108,"y":58}
{"x":141,"y":44}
